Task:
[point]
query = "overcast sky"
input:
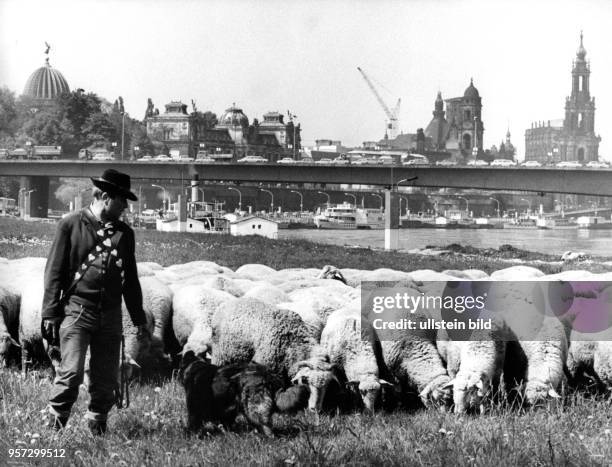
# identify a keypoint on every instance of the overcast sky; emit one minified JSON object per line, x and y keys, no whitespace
{"x":303,"y":56}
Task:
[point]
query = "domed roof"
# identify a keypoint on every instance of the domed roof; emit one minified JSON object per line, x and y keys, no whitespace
{"x":46,"y":83}
{"x":234,"y":116}
{"x":471,"y":92}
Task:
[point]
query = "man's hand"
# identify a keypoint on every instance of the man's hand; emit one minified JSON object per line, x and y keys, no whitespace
{"x":51,"y":330}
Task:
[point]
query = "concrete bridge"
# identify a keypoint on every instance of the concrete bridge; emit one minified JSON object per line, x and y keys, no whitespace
{"x":34,"y":175}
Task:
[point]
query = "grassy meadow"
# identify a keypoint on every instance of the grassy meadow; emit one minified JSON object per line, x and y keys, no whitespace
{"x":151,"y":431}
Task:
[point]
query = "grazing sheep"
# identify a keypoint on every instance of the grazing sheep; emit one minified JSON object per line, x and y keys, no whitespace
{"x":476,"y":365}
{"x":589,"y":361}
{"x":33,"y":346}
{"x":331,"y":272}
{"x":251,"y":330}
{"x":219,"y":394}
{"x":346,"y":347}
{"x":268,"y":294}
{"x":255,"y":272}
{"x":193,"y":309}
{"x":10,"y":302}
{"x":157,"y":298}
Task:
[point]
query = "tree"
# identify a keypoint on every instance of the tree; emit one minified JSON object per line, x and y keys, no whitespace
{"x":71,"y":187}
{"x":8,"y":113}
{"x":99,"y":128}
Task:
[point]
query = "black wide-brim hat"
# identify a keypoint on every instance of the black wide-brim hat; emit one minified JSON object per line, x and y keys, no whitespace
{"x":115,"y":182}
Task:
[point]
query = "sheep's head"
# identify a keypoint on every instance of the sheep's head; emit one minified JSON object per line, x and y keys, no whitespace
{"x":438,"y":392}
{"x":6,"y":342}
{"x":369,"y":387}
{"x":317,"y":375}
{"x":537,"y":392}
{"x":331,"y":272}
{"x":469,"y":392}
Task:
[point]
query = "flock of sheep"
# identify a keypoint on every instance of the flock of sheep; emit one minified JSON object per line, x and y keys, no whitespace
{"x":304,"y":325}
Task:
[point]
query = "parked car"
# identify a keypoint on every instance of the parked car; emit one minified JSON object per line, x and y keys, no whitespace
{"x":446,"y":163}
{"x":145,"y":159}
{"x":252,"y":160}
{"x":478,"y":163}
{"x":531,"y":164}
{"x":306,"y":160}
{"x":286,"y":160}
{"x":503,"y":163}
{"x":598,"y":165}
{"x":416,"y":161}
{"x":568,"y":165}
{"x":205,"y":160}
{"x":325,"y":160}
{"x":387,"y":160}
{"x":102,"y":156}
{"x":162,"y":158}
{"x":340,"y":161}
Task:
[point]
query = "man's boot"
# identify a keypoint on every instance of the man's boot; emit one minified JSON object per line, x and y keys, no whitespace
{"x":97,"y":428}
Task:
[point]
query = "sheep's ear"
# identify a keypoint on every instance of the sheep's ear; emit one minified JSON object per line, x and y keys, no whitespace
{"x":424,"y":394}
{"x":14,"y":342}
{"x":131,"y":361}
{"x":304,"y":364}
{"x":448,"y":384}
{"x":480,"y":384}
{"x":385,"y":383}
{"x":554,"y":394}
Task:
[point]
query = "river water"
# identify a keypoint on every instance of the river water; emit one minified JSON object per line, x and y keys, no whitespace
{"x":592,"y":242}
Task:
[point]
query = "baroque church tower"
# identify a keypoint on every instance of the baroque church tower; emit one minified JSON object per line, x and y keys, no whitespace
{"x":579,"y":122}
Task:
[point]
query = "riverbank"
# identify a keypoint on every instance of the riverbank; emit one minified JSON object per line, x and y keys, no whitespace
{"x":20,"y":238}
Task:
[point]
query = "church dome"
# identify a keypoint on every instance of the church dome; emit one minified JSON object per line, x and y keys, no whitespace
{"x":471,"y":92}
{"x":45,"y":83}
{"x":234,"y":116}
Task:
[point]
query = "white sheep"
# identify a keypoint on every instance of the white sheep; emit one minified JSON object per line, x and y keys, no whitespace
{"x":251,"y":330}
{"x":476,"y":365}
{"x":268,"y":294}
{"x":10,"y":302}
{"x":193,"y":309}
{"x":589,"y":361}
{"x":255,"y":272}
{"x":33,"y":346}
{"x":343,"y":341}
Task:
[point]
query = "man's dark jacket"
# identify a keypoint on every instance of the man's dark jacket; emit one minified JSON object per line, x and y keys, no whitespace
{"x":75,"y":239}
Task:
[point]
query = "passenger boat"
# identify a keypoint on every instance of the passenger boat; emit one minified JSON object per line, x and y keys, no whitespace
{"x":346,"y":216}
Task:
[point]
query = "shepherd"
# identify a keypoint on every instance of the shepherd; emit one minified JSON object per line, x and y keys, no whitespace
{"x":91,"y":265}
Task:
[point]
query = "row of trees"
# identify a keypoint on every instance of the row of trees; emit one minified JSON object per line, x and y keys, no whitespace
{"x":73,"y":120}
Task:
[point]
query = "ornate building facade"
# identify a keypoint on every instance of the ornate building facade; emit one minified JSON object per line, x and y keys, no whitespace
{"x":233,"y":135}
{"x":460,"y":129}
{"x":573,"y":138}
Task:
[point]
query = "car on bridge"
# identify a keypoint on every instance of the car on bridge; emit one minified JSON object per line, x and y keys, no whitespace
{"x":325,"y":160}
{"x":446,"y":163}
{"x":531,"y":164}
{"x":568,"y":165}
{"x":102,"y":156}
{"x":162,"y":158}
{"x":252,"y":160}
{"x":144,"y":159}
{"x":416,"y":161}
{"x":477,"y":163}
{"x":286,"y":160}
{"x":503,"y":163}
{"x":598,"y":165}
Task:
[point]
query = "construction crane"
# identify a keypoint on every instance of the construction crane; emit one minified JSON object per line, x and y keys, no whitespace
{"x":392,"y":123}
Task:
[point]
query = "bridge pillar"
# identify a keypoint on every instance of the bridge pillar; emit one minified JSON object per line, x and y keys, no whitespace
{"x":392,"y":220}
{"x":35,"y":196}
